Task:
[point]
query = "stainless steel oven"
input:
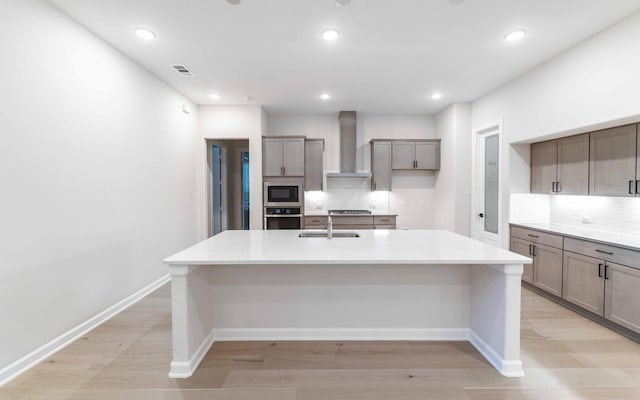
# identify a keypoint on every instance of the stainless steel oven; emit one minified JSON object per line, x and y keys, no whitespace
{"x":283,"y":192}
{"x":282,"y":218}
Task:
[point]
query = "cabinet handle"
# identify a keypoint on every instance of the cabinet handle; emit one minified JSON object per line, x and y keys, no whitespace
{"x":553,"y":187}
{"x":321,"y":188}
{"x":533,"y":253}
{"x":281,"y":170}
{"x":530,"y":250}
{"x":375,"y":185}
{"x":533,"y":236}
{"x":638,"y":186}
{"x":604,"y":252}
{"x":631,"y":187}
{"x":606,"y":268}
{"x":558,"y":187}
{"x":600,"y":270}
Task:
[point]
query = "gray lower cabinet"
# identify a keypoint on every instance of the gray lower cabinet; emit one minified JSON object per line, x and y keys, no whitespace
{"x":523,"y":247}
{"x":547,"y":268}
{"x":583,"y":283}
{"x":313,"y":164}
{"x":612,"y":163}
{"x":351,"y":222}
{"x":546,"y":251}
{"x":622,"y":296}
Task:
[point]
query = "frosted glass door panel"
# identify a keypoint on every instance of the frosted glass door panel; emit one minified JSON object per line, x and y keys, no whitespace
{"x":491,"y":184}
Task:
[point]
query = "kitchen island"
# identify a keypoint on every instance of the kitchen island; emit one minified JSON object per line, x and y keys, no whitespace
{"x":382,"y":285}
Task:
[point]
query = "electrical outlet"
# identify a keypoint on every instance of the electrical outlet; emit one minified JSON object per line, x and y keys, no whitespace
{"x":372,"y":206}
{"x":586,"y":219}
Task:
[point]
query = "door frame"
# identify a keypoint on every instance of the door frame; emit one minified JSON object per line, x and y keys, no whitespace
{"x":209,"y":185}
{"x":477,"y":173}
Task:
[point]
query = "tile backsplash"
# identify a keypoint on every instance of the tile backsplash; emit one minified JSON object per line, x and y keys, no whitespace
{"x":347,"y":193}
{"x":613,"y":214}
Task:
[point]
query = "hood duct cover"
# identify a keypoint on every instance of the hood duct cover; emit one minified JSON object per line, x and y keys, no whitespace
{"x":348,"y":148}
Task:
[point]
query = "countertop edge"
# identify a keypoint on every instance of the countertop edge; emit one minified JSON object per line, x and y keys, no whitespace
{"x":577,"y":236}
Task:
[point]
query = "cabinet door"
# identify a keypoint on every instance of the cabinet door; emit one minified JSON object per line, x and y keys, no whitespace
{"x":293,"y":156}
{"x":544,"y":160}
{"x":522,"y":247}
{"x":381,"y":166}
{"x":638,"y":160}
{"x":313,"y":150}
{"x":403,"y":155}
{"x":573,"y":165}
{"x":427,"y":155}
{"x":547,"y":270}
{"x":582,"y":283}
{"x":272,"y":157}
{"x":612,"y":164}
{"x":622,"y":296}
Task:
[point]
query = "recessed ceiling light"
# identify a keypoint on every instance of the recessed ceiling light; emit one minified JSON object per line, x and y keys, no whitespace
{"x":343,"y":3}
{"x":215,"y":96}
{"x":325,"y":96}
{"x":144,"y":33}
{"x":234,"y":2}
{"x":247,"y":99}
{"x":455,"y":2}
{"x":330,"y":35}
{"x":516,"y":35}
{"x":436,"y":96}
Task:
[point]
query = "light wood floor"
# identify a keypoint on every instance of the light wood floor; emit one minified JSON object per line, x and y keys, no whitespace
{"x":565,"y":357}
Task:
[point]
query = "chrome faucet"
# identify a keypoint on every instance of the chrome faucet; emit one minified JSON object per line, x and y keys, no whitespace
{"x":329,"y":227}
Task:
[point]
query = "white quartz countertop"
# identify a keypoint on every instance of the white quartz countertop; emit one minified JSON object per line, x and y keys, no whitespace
{"x":372,"y":247}
{"x":615,"y":239}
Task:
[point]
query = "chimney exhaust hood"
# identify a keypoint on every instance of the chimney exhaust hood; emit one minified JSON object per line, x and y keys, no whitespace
{"x":348,"y":148}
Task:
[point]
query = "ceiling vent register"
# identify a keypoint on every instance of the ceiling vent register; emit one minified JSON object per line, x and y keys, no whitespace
{"x":184,"y":71}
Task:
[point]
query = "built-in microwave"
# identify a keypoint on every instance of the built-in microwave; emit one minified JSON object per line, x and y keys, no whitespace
{"x":283,"y":192}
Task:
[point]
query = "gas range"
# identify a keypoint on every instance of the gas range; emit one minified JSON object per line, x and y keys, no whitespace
{"x":349,"y":212}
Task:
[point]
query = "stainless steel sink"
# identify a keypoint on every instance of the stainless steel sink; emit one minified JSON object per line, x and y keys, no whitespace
{"x":323,"y":234}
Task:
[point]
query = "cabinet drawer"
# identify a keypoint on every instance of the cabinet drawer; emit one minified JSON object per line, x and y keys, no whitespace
{"x":534,"y":236}
{"x":351,"y":220}
{"x":386,"y":220}
{"x":352,"y":226}
{"x":306,"y":226}
{"x":603,"y":252}
{"x":315,"y":220}
{"x":384,"y":227}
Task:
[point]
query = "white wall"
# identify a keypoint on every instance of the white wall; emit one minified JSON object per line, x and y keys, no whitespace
{"x":593,"y":85}
{"x":452,"y":196}
{"x":412,"y":195}
{"x":96,"y":172}
{"x":229,"y":122}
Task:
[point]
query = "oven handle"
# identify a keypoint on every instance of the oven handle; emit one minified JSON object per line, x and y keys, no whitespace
{"x":282,"y":215}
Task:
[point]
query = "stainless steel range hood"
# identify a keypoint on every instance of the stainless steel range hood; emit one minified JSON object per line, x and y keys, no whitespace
{"x":348,"y":148}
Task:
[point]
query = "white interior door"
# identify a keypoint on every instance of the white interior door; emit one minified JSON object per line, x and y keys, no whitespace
{"x":487,"y":217}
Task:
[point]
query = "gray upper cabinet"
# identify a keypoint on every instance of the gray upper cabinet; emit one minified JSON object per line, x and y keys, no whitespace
{"x":638,"y":161}
{"x":380,"y":165}
{"x":544,"y":165}
{"x":561,"y":166}
{"x":612,"y":162}
{"x":283,"y":156}
{"x":313,"y":164}
{"x":416,"y":154}
{"x":403,"y":155}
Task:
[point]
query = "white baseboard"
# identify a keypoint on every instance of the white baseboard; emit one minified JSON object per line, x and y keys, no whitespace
{"x":184,"y":369}
{"x":20,"y":366}
{"x":341,"y":334}
{"x":508,"y":368}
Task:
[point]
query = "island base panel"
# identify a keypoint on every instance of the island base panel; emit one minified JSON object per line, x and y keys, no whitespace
{"x":335,"y":302}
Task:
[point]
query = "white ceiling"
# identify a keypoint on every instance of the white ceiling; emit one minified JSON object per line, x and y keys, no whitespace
{"x":392,"y":54}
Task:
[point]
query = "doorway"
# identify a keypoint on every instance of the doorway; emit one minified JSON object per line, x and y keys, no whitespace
{"x":228,"y":185}
{"x":488,"y":191}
